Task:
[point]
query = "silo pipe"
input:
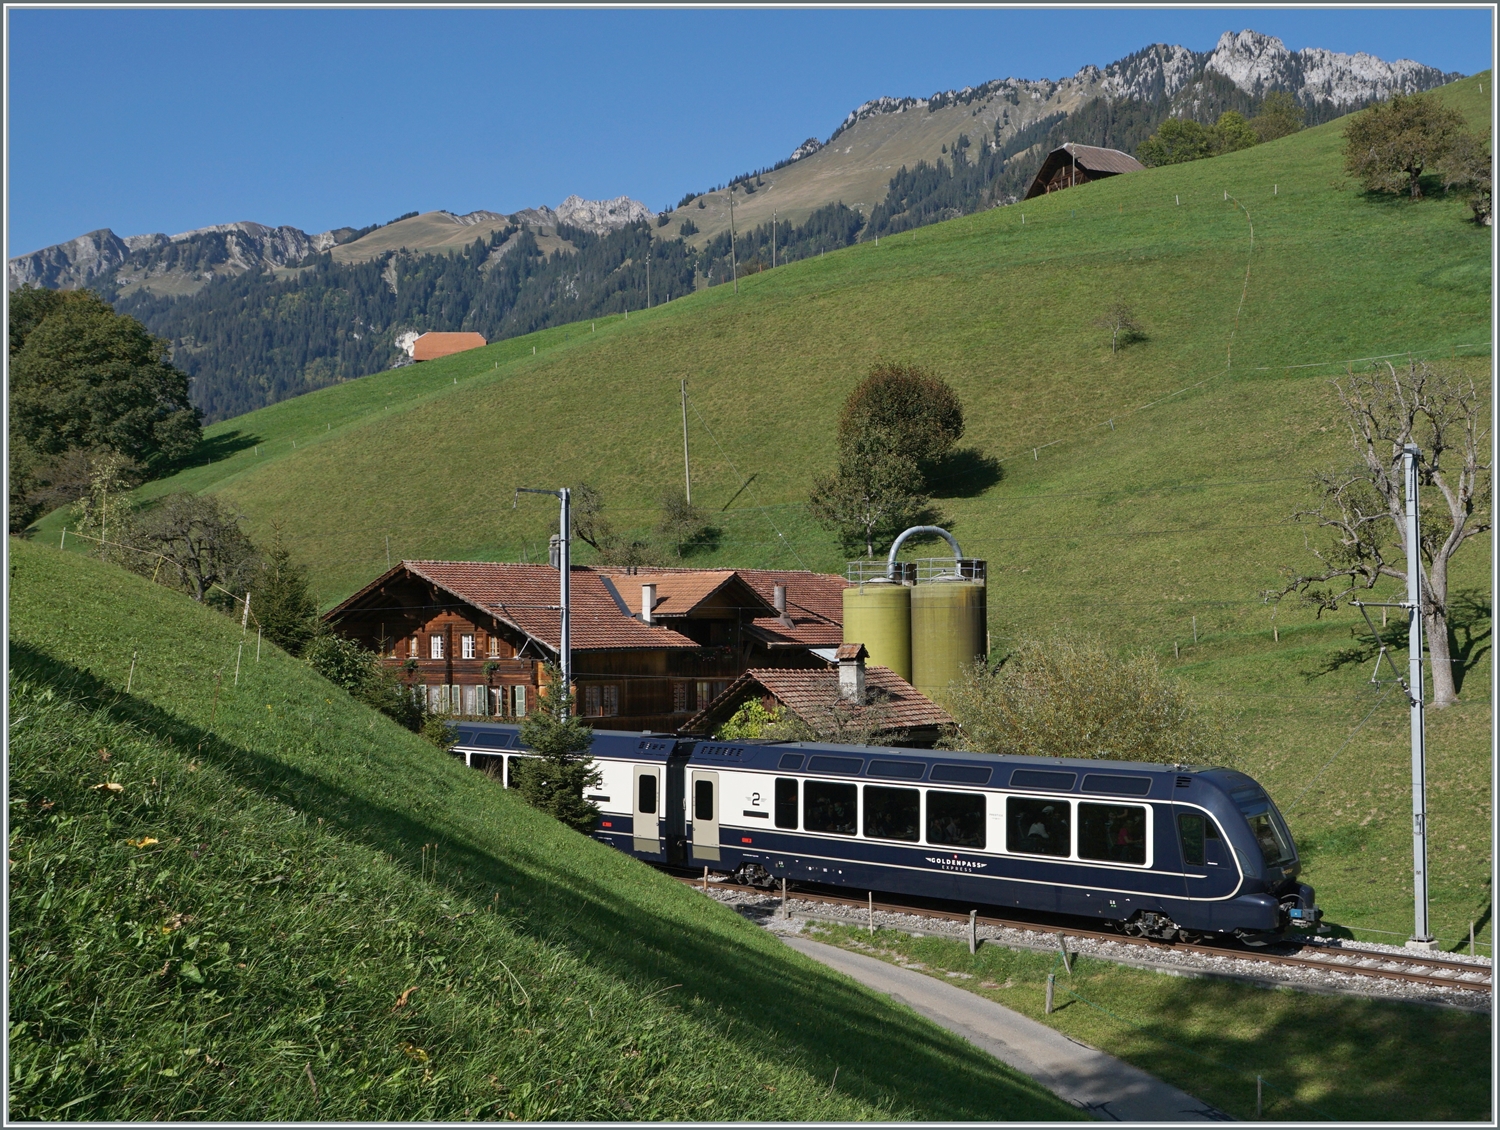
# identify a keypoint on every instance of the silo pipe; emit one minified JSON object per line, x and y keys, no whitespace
{"x":890,"y":561}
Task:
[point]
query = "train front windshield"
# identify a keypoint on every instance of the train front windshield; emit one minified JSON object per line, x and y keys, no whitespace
{"x":1269,"y":829}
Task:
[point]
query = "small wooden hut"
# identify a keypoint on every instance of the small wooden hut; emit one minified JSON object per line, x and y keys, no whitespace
{"x":1074,"y":164}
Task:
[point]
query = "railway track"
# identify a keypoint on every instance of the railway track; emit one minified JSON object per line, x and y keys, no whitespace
{"x":1413,"y":968}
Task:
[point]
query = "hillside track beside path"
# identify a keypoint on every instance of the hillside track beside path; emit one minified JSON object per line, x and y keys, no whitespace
{"x":1449,"y":973}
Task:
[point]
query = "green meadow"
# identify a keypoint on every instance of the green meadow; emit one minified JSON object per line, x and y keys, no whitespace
{"x":1145,"y":496}
{"x":236,"y":894}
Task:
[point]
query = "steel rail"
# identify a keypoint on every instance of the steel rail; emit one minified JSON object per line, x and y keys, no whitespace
{"x":1467,"y":976}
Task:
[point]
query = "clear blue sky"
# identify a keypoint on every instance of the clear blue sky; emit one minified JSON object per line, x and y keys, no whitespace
{"x":165,"y":120}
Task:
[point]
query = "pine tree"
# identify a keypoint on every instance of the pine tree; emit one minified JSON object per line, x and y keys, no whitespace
{"x":554,"y":780}
{"x":280,"y":600}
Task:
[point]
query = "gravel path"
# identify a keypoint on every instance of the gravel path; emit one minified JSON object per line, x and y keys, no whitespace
{"x":762,"y":909}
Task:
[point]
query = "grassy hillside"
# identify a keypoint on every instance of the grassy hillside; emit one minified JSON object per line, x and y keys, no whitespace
{"x":221,"y":893}
{"x":1145,"y":496}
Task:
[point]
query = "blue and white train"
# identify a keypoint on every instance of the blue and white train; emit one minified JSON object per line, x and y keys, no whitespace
{"x":1159,"y":851}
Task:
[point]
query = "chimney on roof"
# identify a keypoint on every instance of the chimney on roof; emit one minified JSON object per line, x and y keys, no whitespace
{"x":851,"y":660}
{"x":779,"y":600}
{"x":648,"y":602}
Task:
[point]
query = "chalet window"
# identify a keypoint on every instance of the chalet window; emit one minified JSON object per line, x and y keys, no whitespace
{"x":435,"y":646}
{"x":518,"y":702}
{"x":437,"y":700}
{"x":475,"y":700}
{"x":680,"y":698}
{"x":466,"y":644}
{"x":411,"y":648}
{"x":611,"y":705}
{"x":494,"y":647}
{"x":499,"y":695}
{"x":591,"y":707}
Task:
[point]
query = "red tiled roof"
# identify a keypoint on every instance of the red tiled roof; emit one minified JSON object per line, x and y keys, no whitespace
{"x":526,"y":596}
{"x":432,"y":345}
{"x":814,"y":601}
{"x":677,"y":594}
{"x":812,"y":695}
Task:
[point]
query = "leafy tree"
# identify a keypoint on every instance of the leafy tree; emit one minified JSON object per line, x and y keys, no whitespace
{"x":1391,"y":144}
{"x":751,"y":720}
{"x":86,"y":377}
{"x":875,"y":493}
{"x":1074,"y":698}
{"x":203,"y":551}
{"x":1364,"y":509}
{"x":1279,"y":116}
{"x":1233,"y":133}
{"x":554,"y":781}
{"x":105,"y":514}
{"x":918,"y":414}
{"x":28,"y":306}
{"x":1467,"y":165}
{"x":281,"y":601}
{"x":360,"y":672}
{"x":1122,"y":325}
{"x":1177,"y":141}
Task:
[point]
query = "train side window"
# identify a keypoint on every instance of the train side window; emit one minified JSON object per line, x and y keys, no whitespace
{"x":892,"y":814}
{"x":648,"y":794}
{"x":1112,"y":832}
{"x":829,"y":806}
{"x":955,"y":819}
{"x":703,"y":800}
{"x":1037,"y":826}
{"x":786,"y":802}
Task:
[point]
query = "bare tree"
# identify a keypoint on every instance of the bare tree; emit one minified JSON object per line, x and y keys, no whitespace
{"x":1364,"y":509}
{"x":201,"y":546}
{"x":1120,"y":321}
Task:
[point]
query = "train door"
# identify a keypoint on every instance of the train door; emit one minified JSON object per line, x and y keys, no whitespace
{"x":1205,"y":855}
{"x":646,"y":808}
{"x":704,"y":799}
{"x":675,"y":808}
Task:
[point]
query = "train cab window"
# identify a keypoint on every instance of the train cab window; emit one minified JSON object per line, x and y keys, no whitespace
{"x":892,"y":814}
{"x":1195,"y":831}
{"x":829,"y":806}
{"x":1112,"y":832}
{"x":703,"y":800}
{"x":786,"y":801}
{"x":1037,"y":826}
{"x":955,"y":819}
{"x":646,"y":802}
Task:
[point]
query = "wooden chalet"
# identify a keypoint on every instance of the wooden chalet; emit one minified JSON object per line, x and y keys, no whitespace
{"x":432,"y":345}
{"x":651,"y":647}
{"x":845,"y":701}
{"x":1074,"y":164}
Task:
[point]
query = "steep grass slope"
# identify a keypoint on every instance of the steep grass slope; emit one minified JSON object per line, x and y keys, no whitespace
{"x":1143,"y":496}
{"x":235,"y":894}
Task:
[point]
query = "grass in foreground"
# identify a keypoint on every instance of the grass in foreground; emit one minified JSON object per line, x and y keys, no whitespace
{"x":256,"y":899}
{"x":1322,"y":1057}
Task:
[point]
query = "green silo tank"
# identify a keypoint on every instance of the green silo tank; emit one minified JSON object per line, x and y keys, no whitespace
{"x":948,"y":632}
{"x":878,"y":615}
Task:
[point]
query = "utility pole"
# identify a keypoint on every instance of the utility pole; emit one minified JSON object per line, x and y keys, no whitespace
{"x":564,"y":566}
{"x":773,"y":241}
{"x":733,"y":258}
{"x":648,"y":275}
{"x":1421,"y":938}
{"x":687,"y":474}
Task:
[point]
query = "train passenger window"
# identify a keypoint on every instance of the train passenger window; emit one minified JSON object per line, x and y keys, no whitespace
{"x":1113,"y":832}
{"x":703,"y":800}
{"x":647,"y":799}
{"x":892,"y":814}
{"x":1037,"y":826}
{"x":956,"y":819}
{"x":829,"y":806}
{"x":786,"y":802}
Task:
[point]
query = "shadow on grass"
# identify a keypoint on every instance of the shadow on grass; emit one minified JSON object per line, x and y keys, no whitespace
{"x":645,"y":942}
{"x":1469,"y":630}
{"x":964,"y":473}
{"x":210,"y":449}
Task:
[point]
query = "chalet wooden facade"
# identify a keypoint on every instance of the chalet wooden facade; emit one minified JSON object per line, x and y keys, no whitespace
{"x":651,"y":647}
{"x":1073,"y":164}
